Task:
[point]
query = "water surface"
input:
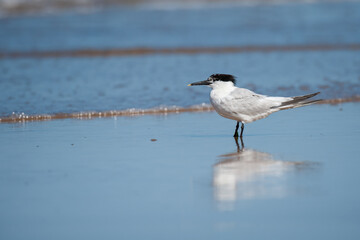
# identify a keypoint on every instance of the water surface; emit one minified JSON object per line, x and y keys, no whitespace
{"x":67,"y":84}
{"x":48,"y":86}
{"x":106,"y":178}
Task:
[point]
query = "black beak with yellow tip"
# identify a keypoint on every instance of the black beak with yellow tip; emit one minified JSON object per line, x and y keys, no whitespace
{"x":206,"y":82}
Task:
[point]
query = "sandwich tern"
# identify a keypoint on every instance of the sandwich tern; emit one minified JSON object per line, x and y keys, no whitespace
{"x":245,"y":106}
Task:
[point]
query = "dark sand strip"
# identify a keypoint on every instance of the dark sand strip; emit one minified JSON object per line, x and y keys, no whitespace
{"x":180,"y":50}
{"x":135,"y":112}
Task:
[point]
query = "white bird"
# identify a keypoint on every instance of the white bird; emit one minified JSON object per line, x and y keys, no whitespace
{"x":243,"y":105}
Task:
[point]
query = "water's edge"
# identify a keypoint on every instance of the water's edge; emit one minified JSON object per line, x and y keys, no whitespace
{"x":180,"y":50}
{"x":163,"y":110}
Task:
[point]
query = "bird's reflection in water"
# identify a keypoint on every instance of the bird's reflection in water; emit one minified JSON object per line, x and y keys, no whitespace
{"x":248,"y":174}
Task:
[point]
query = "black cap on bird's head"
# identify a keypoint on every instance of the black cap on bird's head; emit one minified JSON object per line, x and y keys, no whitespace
{"x":223,"y":77}
{"x":216,"y":77}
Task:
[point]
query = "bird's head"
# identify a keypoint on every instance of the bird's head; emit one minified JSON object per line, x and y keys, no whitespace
{"x":216,"y":80}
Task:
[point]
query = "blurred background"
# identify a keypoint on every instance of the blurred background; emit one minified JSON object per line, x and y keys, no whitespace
{"x":177,"y":176}
{"x":60,"y":56}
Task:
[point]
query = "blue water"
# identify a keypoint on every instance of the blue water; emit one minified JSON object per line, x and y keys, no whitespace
{"x":296,"y":179}
{"x":179,"y":176}
{"x":205,"y":26}
{"x":73,"y":84}
{"x":46,"y":86}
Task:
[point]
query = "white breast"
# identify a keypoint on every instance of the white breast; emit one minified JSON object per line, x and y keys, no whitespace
{"x":222,"y":101}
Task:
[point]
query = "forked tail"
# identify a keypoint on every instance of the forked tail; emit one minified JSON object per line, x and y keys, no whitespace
{"x":298,"y":101}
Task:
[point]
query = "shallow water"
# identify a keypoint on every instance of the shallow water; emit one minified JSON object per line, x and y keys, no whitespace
{"x":297,"y":177}
{"x":179,"y":176}
{"x":48,"y":86}
{"x":68,"y":84}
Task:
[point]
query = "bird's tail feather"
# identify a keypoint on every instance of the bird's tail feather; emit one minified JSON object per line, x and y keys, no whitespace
{"x":298,"y":101}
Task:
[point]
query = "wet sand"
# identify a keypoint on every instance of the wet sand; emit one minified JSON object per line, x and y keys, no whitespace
{"x":185,"y":50}
{"x":182,"y":176}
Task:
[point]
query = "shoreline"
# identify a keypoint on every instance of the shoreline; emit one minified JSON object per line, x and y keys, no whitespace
{"x":137,"y":112}
{"x":180,"y":50}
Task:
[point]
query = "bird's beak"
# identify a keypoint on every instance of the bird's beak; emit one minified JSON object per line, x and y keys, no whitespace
{"x":206,"y":82}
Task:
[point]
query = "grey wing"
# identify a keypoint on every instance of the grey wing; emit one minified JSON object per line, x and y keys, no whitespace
{"x":249,"y":101}
{"x":251,"y":106}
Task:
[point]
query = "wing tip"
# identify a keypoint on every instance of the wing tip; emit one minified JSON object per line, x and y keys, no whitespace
{"x":298,"y":101}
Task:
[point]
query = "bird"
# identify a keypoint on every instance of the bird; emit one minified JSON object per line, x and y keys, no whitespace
{"x":244,"y":105}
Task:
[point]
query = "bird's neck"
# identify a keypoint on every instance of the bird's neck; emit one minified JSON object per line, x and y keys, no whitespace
{"x":222,"y":88}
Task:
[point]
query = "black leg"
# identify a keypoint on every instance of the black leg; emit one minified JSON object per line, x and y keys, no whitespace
{"x":236,"y":134}
{"x":242,"y":130}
